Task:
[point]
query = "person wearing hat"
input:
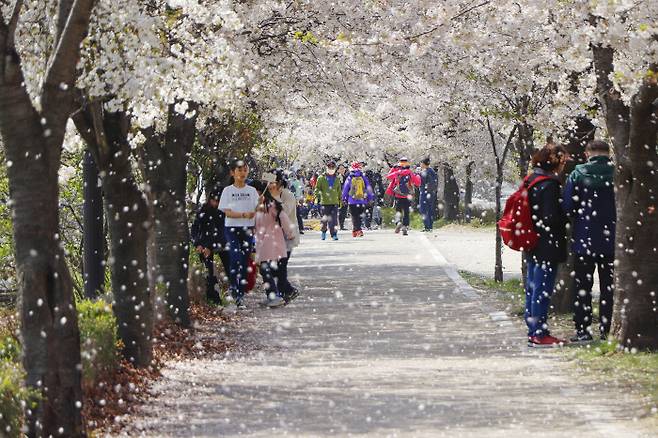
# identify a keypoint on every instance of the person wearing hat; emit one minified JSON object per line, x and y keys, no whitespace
{"x":327,"y":194}
{"x":208,"y":239}
{"x":357,"y":193}
{"x":401,"y":187}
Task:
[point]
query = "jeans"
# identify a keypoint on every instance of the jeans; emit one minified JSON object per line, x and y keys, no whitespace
{"x":240,"y":243}
{"x":402,"y":205}
{"x":539,"y":288}
{"x":268,"y":270}
{"x":357,"y":211}
{"x":342,"y":215}
{"x":427,"y":210}
{"x":584,"y":266}
{"x":330,"y":218}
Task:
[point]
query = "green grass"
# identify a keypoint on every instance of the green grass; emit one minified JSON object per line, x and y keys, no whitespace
{"x":510,"y":292}
{"x":637,"y":370}
{"x":603,"y":359}
{"x":388,"y":219}
{"x":485,"y":220}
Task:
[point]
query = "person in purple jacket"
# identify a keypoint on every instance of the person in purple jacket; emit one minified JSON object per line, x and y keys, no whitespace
{"x":357,"y":193}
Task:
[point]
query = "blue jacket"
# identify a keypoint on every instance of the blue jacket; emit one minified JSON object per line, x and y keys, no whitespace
{"x":589,"y":200}
{"x":428,"y":187}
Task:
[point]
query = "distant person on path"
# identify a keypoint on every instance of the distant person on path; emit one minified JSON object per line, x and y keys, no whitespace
{"x":550,"y":223}
{"x":428,"y":193}
{"x":281,"y":194}
{"x":342,"y":211}
{"x":402,"y":185}
{"x":273,"y":228}
{"x":327,"y":194}
{"x":239,"y":202}
{"x":208,"y":238}
{"x":589,"y":200}
{"x":297,"y":188}
{"x":357,"y":193}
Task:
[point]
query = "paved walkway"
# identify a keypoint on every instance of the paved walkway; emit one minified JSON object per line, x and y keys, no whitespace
{"x":386,"y":341}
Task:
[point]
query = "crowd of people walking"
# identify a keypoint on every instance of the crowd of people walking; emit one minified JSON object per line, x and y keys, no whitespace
{"x":254,"y":226}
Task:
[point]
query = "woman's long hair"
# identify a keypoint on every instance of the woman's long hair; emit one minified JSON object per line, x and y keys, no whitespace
{"x":261,"y":187}
{"x":270,"y":201}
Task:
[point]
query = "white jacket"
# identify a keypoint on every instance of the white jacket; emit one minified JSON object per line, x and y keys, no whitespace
{"x":290,"y":209}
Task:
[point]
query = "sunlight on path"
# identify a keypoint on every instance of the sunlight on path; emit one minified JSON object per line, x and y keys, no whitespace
{"x":385,"y":341}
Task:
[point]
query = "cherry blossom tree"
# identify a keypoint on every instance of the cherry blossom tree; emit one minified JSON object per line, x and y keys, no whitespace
{"x":32,"y":125}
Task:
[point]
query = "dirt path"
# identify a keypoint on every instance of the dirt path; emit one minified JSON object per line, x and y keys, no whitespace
{"x":386,"y":341}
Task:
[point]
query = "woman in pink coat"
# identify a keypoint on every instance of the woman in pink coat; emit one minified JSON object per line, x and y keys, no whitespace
{"x":401,"y":187}
{"x":273,"y":227}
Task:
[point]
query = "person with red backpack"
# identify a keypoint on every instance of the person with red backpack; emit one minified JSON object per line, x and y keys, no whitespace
{"x":549,"y":248}
{"x":402,"y":187}
{"x":357,"y":193}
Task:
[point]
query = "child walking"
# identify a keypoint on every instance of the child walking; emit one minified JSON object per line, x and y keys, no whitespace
{"x":239,"y":202}
{"x":273,"y":228}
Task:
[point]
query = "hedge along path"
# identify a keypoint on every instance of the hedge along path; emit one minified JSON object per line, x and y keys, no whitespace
{"x":386,"y":340}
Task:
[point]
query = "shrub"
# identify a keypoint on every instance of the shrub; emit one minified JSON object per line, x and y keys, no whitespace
{"x":99,"y":341}
{"x":13,"y":395}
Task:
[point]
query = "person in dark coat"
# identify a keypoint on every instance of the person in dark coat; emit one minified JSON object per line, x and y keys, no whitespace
{"x":543,"y":260}
{"x":342,"y":211}
{"x":589,"y":200}
{"x":208,"y":238}
{"x":429,"y":188}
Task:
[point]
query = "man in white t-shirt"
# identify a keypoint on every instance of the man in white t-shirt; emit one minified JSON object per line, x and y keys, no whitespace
{"x":239,"y":202}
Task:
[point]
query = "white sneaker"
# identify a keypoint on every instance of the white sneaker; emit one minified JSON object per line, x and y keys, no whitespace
{"x":276,"y":302}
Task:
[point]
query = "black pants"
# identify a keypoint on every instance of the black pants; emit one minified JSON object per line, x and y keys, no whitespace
{"x":342,"y":215}
{"x":300,"y":219}
{"x":402,"y":205}
{"x":368,"y":216}
{"x":357,"y":211}
{"x":282,"y":276}
{"x":269,"y":273}
{"x":584,"y":266}
{"x":211,"y":277}
{"x":329,"y":218}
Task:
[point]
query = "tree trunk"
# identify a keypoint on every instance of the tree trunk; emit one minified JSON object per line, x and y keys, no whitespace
{"x":93,"y":233}
{"x":468,"y":193}
{"x":165,"y":169}
{"x":498,"y":271}
{"x":128,"y":226}
{"x":525,"y":147}
{"x":450,"y":194}
{"x":633,"y":131}
{"x":636,"y":274}
{"x":49,"y":334}
{"x":128,"y":221}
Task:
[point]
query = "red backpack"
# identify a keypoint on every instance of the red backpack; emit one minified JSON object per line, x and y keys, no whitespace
{"x":516,"y":226}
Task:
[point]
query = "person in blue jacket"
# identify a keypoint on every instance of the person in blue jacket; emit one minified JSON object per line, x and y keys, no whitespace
{"x":589,"y":201}
{"x":429,"y":188}
{"x":357,"y":193}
